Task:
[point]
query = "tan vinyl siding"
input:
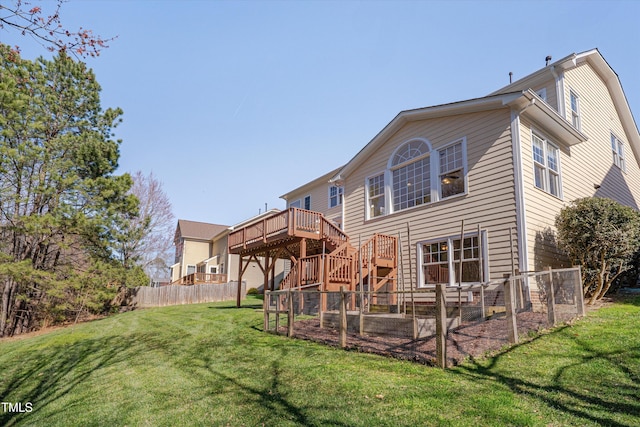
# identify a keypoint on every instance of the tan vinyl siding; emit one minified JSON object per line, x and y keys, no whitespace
{"x":490,"y":201}
{"x":582,"y":166}
{"x":319,"y":193}
{"x":194,"y":252}
{"x":594,"y":161}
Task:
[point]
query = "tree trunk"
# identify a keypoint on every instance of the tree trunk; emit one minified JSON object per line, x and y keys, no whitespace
{"x":8,"y":297}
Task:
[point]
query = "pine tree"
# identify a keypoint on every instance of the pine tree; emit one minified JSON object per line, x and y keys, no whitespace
{"x":59,"y":197}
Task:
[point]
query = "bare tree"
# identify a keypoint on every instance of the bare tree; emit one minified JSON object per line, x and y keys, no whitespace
{"x":150,"y":245}
{"x":47,"y":29}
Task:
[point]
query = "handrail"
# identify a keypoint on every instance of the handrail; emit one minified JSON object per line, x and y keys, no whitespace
{"x":195,"y":278}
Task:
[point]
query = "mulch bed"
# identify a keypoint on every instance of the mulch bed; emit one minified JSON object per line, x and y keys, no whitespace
{"x":468,"y":341}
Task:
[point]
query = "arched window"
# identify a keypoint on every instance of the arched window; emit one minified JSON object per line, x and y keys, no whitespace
{"x":411,"y":174}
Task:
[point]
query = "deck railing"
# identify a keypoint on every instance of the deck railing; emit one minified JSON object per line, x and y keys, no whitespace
{"x":197,"y":278}
{"x":292,"y":222}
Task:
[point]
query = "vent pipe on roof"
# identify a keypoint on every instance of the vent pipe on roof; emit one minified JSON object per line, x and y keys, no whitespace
{"x":510,"y":77}
{"x":547,"y":60}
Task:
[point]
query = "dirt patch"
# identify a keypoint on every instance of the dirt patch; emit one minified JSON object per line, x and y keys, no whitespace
{"x":470,"y":340}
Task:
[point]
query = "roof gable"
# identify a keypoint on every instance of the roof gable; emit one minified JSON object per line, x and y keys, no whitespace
{"x":198,"y":230}
{"x":516,"y":96}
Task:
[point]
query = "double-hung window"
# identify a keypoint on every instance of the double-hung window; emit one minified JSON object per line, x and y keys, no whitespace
{"x":451,"y":171}
{"x":376,"y":195}
{"x":575,"y":109}
{"x":335,"y":196}
{"x":546,"y":165}
{"x":617,"y":148}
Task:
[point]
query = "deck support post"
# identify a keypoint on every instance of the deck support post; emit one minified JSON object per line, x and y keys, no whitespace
{"x":239,"y":293}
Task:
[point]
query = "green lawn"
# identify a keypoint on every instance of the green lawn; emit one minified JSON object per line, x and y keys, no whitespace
{"x":211,"y":364}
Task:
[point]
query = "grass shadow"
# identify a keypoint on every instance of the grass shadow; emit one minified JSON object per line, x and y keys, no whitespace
{"x":599,"y":407}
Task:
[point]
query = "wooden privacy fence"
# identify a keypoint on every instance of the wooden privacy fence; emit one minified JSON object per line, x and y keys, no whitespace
{"x":145,"y":296}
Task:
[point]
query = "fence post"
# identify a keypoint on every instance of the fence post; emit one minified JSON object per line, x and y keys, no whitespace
{"x":265,"y":309}
{"x":290,"y":314}
{"x":509,"y":303}
{"x":343,"y":318}
{"x":322,"y":307}
{"x":579,"y":293}
{"x":441,"y":325}
{"x":278,"y":312}
{"x":551,"y":300}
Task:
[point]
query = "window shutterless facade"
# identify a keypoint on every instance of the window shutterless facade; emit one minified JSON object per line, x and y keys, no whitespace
{"x":617,"y":148}
{"x":375,"y":195}
{"x":335,"y":196}
{"x":440,"y":260}
{"x":575,"y":109}
{"x":546,"y":165}
{"x":417,"y":175}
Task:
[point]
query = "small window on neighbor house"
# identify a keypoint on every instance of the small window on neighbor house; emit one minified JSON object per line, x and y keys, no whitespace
{"x":542,"y":93}
{"x":575,"y":109}
{"x":546,"y":165}
{"x":213,"y":269}
{"x":375,"y":192}
{"x":617,"y":148}
{"x":335,"y":196}
{"x":307,"y":203}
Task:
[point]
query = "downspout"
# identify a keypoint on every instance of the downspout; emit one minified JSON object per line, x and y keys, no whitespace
{"x":342,"y":225}
{"x":521,"y":219}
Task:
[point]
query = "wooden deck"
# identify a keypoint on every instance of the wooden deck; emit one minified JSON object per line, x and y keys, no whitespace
{"x":322,"y":253}
{"x":283,"y":228}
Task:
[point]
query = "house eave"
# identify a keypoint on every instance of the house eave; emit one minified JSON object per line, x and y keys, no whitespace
{"x":532,"y":106}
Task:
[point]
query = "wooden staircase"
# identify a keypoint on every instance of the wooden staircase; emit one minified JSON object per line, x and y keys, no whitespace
{"x":374,"y":265}
{"x":321,"y":253}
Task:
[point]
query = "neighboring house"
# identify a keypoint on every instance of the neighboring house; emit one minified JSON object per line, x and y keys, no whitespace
{"x":202,"y":255}
{"x":505,"y":164}
{"x":194,"y":249}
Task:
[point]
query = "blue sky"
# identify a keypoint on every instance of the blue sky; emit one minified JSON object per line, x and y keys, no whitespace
{"x":234,"y":103}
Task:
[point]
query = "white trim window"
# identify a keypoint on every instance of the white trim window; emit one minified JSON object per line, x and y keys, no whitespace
{"x":335,"y":196}
{"x":451,"y":171}
{"x":617,"y":148}
{"x":375,"y":195}
{"x":417,"y":175}
{"x":542,"y":93}
{"x":574,"y":101}
{"x":411,"y":175}
{"x":546,"y":165}
{"x":440,"y":260}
